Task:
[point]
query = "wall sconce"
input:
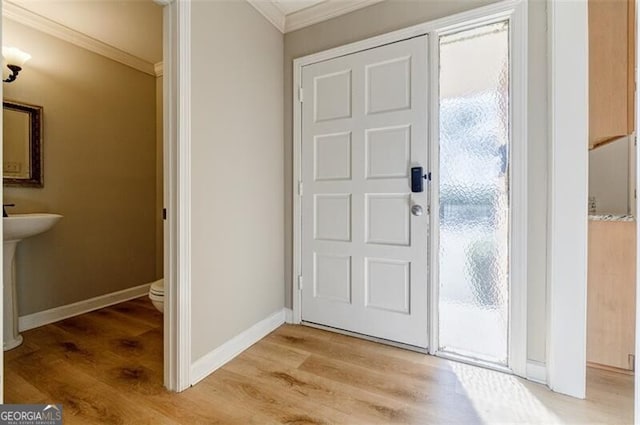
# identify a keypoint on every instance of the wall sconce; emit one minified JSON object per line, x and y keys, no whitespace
{"x":14,"y":59}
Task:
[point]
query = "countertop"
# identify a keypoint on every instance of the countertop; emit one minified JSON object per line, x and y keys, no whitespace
{"x":612,"y":217}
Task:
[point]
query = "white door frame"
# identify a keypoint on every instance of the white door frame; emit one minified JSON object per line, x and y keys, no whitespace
{"x":518,"y":192}
{"x":568,"y":180}
{"x":177,"y":192}
{"x":515,"y":10}
{"x":1,"y":247}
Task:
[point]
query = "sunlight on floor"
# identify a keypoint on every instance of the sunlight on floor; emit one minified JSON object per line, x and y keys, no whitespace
{"x":501,"y":398}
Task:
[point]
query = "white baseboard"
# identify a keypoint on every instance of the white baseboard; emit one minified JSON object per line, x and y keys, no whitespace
{"x":536,"y":372}
{"x":288,"y":315}
{"x":56,"y":314}
{"x":217,"y":358}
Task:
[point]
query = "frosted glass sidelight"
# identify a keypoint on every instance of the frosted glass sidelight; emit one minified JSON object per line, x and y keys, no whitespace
{"x":474,"y":193}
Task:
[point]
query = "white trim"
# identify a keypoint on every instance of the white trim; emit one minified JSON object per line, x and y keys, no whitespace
{"x":23,"y":16}
{"x":309,"y":15}
{"x":568,"y":177}
{"x":217,"y":358}
{"x":288,"y":316}
{"x":56,"y":314}
{"x":434,"y":201}
{"x":448,"y":23}
{"x":536,"y":372}
{"x":177,"y":194}
{"x":473,"y":362}
{"x":158,"y":69}
{"x":516,"y":11}
{"x":271,"y":12}
{"x":297,"y":198}
{"x":518,"y":190}
{"x":322,"y":12}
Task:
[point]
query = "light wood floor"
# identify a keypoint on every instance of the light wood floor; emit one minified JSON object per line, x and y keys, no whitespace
{"x":106,"y":367}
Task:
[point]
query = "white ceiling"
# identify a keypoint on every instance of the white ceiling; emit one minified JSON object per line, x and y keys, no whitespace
{"x":291,"y":6}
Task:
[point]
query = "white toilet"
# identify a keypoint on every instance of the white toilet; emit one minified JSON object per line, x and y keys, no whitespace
{"x":156,"y":294}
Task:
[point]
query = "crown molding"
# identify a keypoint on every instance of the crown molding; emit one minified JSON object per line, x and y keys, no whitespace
{"x":23,"y":16}
{"x":311,"y":15}
{"x":323,"y":11}
{"x":269,"y":10}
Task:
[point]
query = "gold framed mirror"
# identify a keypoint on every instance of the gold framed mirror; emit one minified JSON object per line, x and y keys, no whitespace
{"x":22,"y":144}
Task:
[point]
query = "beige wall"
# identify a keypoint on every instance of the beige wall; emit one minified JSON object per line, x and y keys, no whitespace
{"x":396,"y":14}
{"x":237,"y":171}
{"x":159,"y":182}
{"x":99,"y":172}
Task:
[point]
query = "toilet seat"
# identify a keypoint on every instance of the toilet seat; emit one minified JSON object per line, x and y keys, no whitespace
{"x":156,"y":294}
{"x":157,"y":287}
{"x":158,"y":298}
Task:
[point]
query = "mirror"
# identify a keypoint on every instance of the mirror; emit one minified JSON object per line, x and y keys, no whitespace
{"x":22,"y":144}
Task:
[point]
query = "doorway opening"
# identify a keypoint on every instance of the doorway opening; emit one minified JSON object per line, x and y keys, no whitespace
{"x":109,"y":189}
{"x":378,"y":247}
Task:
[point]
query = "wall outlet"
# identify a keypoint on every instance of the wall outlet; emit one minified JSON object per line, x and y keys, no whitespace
{"x":11,"y":167}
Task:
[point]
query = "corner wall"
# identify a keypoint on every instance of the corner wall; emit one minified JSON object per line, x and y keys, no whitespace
{"x":237,"y":172}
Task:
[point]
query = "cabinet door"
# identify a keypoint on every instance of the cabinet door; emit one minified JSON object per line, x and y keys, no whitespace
{"x":611,"y":69}
{"x":611,"y":294}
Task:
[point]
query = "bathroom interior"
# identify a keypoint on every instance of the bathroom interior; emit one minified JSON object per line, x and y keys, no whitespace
{"x":82,"y":143}
{"x":611,"y":279}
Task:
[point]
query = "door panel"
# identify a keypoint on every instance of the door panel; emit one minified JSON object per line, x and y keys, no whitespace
{"x":364,"y":256}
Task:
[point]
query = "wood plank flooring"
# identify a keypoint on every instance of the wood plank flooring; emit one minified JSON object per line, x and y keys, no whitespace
{"x":105,"y":367}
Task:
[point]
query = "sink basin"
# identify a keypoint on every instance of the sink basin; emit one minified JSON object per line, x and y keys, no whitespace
{"x":16,"y":228}
{"x":20,"y":226}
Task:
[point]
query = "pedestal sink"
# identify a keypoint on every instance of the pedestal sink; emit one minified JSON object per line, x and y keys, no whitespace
{"x":16,"y":228}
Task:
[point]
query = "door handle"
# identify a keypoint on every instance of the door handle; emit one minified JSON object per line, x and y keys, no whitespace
{"x":417,"y":210}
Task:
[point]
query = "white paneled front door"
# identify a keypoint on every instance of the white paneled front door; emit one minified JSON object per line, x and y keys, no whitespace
{"x":364,"y":253}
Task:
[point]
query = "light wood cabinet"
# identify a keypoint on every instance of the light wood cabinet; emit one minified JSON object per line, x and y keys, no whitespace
{"x":611,"y":70}
{"x":611,"y":294}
